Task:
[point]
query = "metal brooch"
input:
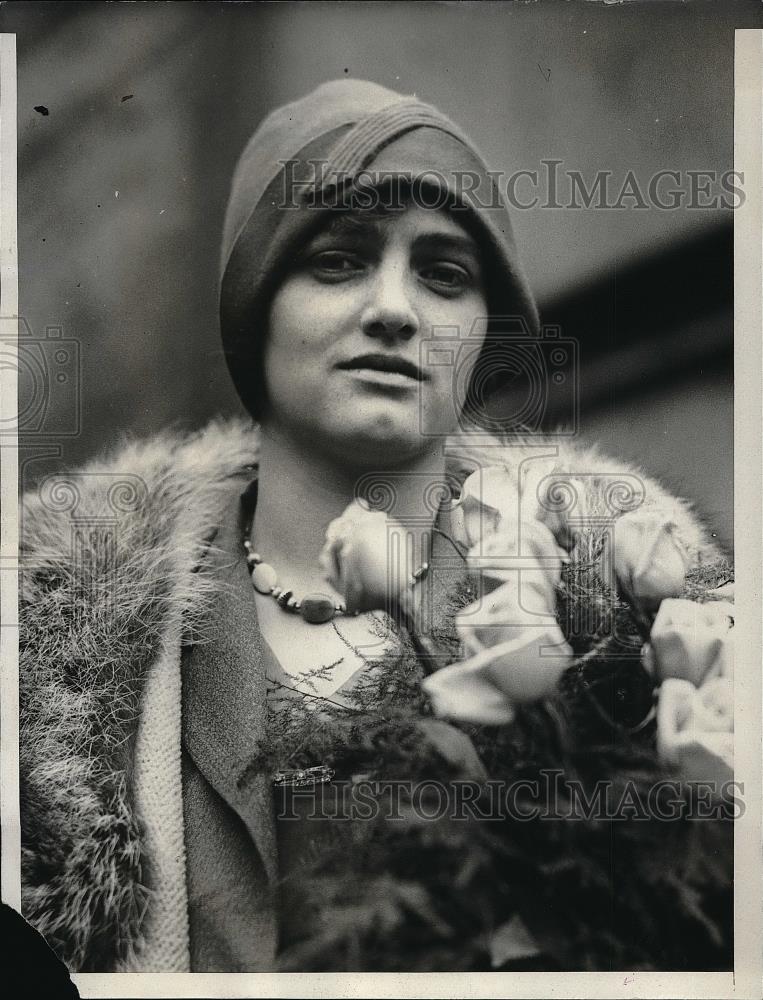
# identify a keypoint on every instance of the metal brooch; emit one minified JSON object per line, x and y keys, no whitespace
{"x":304,"y":776}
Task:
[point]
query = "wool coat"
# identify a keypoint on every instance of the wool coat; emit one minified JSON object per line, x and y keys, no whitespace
{"x":116,"y":578}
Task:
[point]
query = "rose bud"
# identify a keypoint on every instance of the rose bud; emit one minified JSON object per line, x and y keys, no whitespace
{"x":522,"y":669}
{"x":649,"y":562}
{"x":691,"y":641}
{"x":463,"y":694}
{"x":548,"y":494}
{"x":504,"y":614}
{"x":503,"y":557}
{"x":694,"y":729}
{"x":488,"y":496}
{"x":367,"y":559}
{"x":529,"y":667}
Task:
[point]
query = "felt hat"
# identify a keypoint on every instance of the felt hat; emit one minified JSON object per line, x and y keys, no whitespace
{"x":344,"y":137}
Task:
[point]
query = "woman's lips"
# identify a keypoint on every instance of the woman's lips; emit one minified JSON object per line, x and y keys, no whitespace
{"x":386,"y":363}
{"x":391,"y":380}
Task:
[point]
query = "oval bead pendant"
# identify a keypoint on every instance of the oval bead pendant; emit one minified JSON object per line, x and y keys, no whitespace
{"x":316,"y":608}
{"x":264,"y":578}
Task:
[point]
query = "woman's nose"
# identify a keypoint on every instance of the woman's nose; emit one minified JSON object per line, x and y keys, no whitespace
{"x":389,"y":311}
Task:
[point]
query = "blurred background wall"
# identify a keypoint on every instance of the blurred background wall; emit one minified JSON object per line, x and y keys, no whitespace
{"x":131,"y":117}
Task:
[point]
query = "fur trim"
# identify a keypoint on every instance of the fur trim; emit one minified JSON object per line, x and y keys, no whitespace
{"x":592,"y":488}
{"x":110,"y":556}
{"x":113,"y":563}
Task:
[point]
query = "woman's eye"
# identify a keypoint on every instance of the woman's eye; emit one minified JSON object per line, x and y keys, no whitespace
{"x":334,"y":265}
{"x":446,"y":277}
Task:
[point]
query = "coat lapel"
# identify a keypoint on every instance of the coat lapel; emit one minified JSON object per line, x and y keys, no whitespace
{"x":224,"y":693}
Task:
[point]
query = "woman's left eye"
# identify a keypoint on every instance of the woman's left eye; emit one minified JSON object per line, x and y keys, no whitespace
{"x":446,"y":276}
{"x":334,"y":264}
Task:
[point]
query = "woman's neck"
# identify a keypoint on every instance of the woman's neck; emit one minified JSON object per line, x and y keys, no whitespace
{"x":300,"y":492}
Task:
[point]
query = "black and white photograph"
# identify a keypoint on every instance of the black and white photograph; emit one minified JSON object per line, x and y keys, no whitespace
{"x":375,"y":431}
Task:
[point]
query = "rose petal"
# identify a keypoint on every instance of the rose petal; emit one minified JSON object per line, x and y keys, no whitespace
{"x":479,"y":520}
{"x":719,"y":611}
{"x":675,"y":709}
{"x":535,"y":496}
{"x":687,"y":639}
{"x":522,"y":669}
{"x":724,"y":592}
{"x":463,"y":694}
{"x":648,"y":659}
{"x":500,"y":556}
{"x":528,"y":668}
{"x":488,"y":497}
{"x":367,"y":558}
{"x":505,"y":613}
{"x":681,"y":739}
{"x":706,"y":757}
{"x":649,"y":563}
{"x":457,"y":525}
{"x":493,"y":487}
{"x":723,"y":665}
{"x":714,"y":706}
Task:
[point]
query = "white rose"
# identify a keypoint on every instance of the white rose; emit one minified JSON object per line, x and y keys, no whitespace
{"x":507,"y":612}
{"x":691,"y":641}
{"x":649,"y":562}
{"x":525,"y":550}
{"x":488,"y":497}
{"x":695,"y":728}
{"x":356,"y":559}
{"x":483,"y":688}
{"x":542,"y":483}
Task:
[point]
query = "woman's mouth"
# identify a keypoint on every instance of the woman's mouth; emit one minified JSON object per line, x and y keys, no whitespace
{"x":390,"y":380}
{"x":384,"y":369}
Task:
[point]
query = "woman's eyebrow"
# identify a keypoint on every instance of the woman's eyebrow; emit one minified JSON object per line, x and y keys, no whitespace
{"x":348,"y":225}
{"x":453,"y":242}
{"x":358,"y":229}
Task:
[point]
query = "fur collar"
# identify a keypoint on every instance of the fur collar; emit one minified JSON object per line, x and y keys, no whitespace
{"x":113,"y":562}
{"x":112,"y":558}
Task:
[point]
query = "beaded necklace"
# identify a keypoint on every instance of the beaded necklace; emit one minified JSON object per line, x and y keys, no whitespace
{"x":315,"y":608}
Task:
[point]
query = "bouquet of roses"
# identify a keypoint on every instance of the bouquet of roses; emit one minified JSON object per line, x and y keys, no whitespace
{"x":515,"y":650}
{"x":641,"y":691}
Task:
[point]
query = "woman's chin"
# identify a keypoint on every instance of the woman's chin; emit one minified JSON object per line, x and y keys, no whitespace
{"x":384,"y":440}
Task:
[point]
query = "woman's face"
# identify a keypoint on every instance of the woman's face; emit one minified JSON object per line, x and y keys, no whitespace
{"x":348,"y":361}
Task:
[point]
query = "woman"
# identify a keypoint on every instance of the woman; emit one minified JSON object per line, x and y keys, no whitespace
{"x":150,"y":839}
